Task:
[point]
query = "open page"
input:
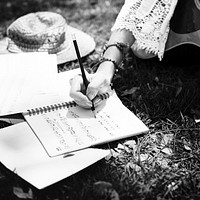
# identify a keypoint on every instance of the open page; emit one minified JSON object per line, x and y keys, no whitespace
{"x":22,"y":153}
{"x":24,"y":79}
{"x":74,"y":128}
{"x":58,"y":92}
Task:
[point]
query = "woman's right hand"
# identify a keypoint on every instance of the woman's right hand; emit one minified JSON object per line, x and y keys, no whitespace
{"x":99,"y":83}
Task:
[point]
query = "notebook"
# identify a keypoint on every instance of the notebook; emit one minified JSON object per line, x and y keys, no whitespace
{"x":22,"y":153}
{"x":67,"y":127}
{"x":24,"y":81}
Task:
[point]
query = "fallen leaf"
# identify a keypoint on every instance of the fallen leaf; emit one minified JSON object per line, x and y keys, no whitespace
{"x":130,"y":91}
{"x":113,"y":154}
{"x":131,"y":144}
{"x":21,"y":194}
{"x":120,"y":146}
{"x":187,"y":147}
{"x":132,"y":166}
{"x":143,"y":157}
{"x":167,"y":138}
{"x":167,"y":151}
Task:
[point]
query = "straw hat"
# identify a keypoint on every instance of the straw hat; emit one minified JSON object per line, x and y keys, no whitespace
{"x":45,"y":31}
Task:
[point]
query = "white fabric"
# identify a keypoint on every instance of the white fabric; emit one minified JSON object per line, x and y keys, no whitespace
{"x":148,"y":20}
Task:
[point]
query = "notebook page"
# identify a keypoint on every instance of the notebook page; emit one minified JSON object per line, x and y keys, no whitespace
{"x":22,"y":153}
{"x":75,"y":128}
{"x":59,"y":90}
{"x":23,"y":76}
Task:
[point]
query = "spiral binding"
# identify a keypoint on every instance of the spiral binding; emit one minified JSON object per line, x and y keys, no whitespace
{"x":104,"y":96}
{"x":59,"y":106}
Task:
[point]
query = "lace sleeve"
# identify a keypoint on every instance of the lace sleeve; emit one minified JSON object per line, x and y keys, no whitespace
{"x":148,"y":20}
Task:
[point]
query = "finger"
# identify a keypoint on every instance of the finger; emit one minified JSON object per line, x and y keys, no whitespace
{"x":91,"y":93}
{"x":81,"y":99}
{"x":84,"y":104}
{"x":76,"y":92}
{"x":94,"y":88}
{"x":76,"y":83}
{"x":97,"y":102}
{"x":97,"y":85}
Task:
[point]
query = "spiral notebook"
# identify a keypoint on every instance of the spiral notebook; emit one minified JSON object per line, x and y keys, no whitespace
{"x":24,"y":80}
{"x":65,"y":128}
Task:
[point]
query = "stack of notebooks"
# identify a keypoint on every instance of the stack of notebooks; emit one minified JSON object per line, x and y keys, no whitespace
{"x":55,"y":137}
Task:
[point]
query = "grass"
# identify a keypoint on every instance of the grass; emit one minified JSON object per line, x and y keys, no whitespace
{"x":163,"y":164}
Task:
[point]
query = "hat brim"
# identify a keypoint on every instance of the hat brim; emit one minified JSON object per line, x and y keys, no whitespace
{"x":85,"y":43}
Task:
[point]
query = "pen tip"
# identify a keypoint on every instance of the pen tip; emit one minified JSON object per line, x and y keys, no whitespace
{"x":93,"y":109}
{"x":94,"y":114}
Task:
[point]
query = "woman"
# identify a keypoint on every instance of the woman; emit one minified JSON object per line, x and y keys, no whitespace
{"x":142,"y":25}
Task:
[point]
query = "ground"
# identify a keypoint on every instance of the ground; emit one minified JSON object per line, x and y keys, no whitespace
{"x":163,"y":164}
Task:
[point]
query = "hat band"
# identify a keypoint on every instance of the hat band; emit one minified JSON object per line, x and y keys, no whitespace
{"x":50,"y":45}
{"x":51,"y":41}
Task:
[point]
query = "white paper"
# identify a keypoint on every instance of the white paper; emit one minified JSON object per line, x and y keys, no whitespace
{"x":58,"y":92}
{"x":21,"y":152}
{"x":24,"y":76}
{"x":74,"y":128}
{"x":59,"y":89}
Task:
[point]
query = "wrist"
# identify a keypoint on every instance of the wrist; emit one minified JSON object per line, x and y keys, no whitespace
{"x":107,"y":69}
{"x":121,"y":47}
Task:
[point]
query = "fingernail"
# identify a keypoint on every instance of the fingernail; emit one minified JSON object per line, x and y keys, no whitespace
{"x":90,"y":96}
{"x":97,"y":101}
{"x":89,"y":104}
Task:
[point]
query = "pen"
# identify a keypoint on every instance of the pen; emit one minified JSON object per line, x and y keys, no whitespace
{"x":85,"y":81}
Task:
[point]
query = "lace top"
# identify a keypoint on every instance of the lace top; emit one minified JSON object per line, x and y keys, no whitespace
{"x":148,"y":20}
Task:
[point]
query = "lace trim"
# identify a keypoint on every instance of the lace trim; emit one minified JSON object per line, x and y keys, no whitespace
{"x":148,"y":20}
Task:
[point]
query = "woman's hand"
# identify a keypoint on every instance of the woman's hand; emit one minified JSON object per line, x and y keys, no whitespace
{"x":98,"y":83}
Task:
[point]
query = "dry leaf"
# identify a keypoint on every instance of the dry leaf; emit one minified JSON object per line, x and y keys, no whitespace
{"x":132,"y":166}
{"x":131,"y":144}
{"x":120,"y":146}
{"x":167,"y":138}
{"x":167,"y":151}
{"x":21,"y":194}
{"x":143,"y":157}
{"x":187,"y":147}
{"x":113,"y":154}
{"x":130,"y":91}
